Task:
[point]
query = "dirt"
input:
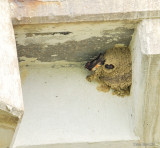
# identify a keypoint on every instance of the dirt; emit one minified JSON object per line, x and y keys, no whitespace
{"x":115,"y":73}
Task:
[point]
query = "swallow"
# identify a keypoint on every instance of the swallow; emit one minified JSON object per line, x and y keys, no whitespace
{"x":97,"y":62}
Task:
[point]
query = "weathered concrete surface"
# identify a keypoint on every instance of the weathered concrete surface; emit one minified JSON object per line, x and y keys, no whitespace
{"x":111,"y":144}
{"x":63,"y":109}
{"x":55,"y":11}
{"x":146,"y":81}
{"x":8,"y":124}
{"x":11,"y":102}
{"x":71,"y":42}
{"x":9,"y":71}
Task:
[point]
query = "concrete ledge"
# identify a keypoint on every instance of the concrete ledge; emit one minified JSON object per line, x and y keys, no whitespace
{"x":115,"y":144}
{"x":51,"y":11}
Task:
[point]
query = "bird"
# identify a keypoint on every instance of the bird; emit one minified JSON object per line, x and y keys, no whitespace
{"x":97,"y":62}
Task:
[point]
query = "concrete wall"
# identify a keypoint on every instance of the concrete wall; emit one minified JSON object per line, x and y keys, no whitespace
{"x":60,"y":11}
{"x":40,"y":43}
{"x":11,"y":102}
{"x":146,"y":81}
{"x":56,"y":94}
{"x":84,"y":114}
{"x":63,"y":108}
{"x":71,"y":41}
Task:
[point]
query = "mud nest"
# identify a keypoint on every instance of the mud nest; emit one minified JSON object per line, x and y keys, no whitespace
{"x":112,"y":70}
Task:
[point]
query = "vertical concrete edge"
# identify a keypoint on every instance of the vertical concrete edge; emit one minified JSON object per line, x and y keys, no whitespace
{"x":146,"y":81}
{"x":11,"y":100}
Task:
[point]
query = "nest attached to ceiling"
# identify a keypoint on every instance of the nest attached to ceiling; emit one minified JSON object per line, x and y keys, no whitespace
{"x":112,"y":70}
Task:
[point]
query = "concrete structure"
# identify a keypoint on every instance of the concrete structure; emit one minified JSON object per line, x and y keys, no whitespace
{"x":11,"y":102}
{"x":54,"y":39}
{"x":145,"y":51}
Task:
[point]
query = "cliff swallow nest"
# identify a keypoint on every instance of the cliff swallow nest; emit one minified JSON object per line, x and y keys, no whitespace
{"x":112,"y":70}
